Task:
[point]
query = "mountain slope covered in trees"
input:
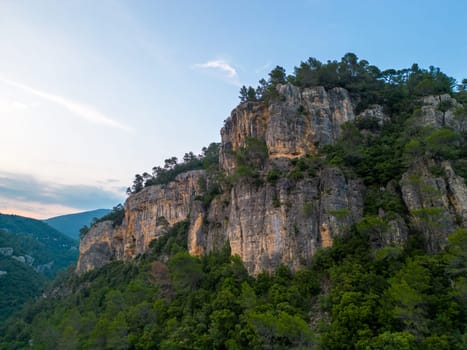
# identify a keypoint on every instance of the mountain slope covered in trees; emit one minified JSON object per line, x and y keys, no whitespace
{"x":31,"y":254}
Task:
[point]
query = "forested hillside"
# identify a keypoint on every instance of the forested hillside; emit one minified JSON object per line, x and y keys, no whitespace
{"x":31,"y":254}
{"x":392,"y":274}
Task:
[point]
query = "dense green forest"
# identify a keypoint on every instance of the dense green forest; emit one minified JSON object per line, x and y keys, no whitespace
{"x":357,"y":294}
{"x":351,"y":297}
{"x":19,"y":281}
{"x":31,"y":254}
{"x":41,"y":241}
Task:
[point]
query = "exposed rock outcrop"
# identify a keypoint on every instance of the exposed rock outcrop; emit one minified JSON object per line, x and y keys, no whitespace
{"x":147,"y":214}
{"x":265,"y":224}
{"x":282,"y":223}
{"x":284,"y":219}
{"x":292,"y":126}
{"x":373,"y":113}
{"x":442,"y":110}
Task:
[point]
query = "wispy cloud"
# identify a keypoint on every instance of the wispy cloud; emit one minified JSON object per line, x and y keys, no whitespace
{"x":80,"y":110}
{"x":229,"y":71}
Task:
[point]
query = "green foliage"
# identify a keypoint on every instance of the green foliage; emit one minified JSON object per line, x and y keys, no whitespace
{"x":308,"y":208}
{"x":208,"y":160}
{"x":444,"y":106}
{"x":19,"y":283}
{"x":357,"y":294}
{"x":174,"y":241}
{"x":307,"y":166}
{"x":188,"y":302}
{"x":274,"y":175}
{"x":35,"y":238}
{"x":36,"y":253}
{"x":250,"y":160}
{"x":340,"y":213}
{"x":375,"y":199}
{"x":116,"y":216}
{"x":167,"y":299}
{"x":367,"y":84}
{"x":248,"y":94}
{"x":376,"y":159}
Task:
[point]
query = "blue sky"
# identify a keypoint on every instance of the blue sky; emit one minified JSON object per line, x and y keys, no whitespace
{"x":92,"y":92}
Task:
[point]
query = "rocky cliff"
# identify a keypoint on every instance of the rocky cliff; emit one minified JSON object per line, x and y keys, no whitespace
{"x":290,"y":127}
{"x":147,"y":215}
{"x":290,"y":204}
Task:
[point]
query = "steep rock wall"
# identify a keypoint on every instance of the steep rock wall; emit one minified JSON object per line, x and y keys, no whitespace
{"x":285,"y":221}
{"x":147,"y":215}
{"x":292,"y":126}
{"x":282,"y":223}
{"x":265,"y":224}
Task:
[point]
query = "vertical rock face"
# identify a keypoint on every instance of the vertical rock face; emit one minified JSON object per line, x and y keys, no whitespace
{"x":285,"y":220}
{"x":292,"y":126}
{"x":282,"y":223}
{"x":147,"y":214}
{"x":440,"y":111}
{"x":265,"y":224}
{"x":101,"y":245}
{"x":288,"y":222}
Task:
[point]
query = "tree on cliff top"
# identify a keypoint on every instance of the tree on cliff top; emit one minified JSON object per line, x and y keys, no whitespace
{"x":366,"y":83}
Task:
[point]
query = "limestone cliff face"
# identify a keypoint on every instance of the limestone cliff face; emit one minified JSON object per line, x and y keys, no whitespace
{"x":101,"y":245}
{"x":281,"y":223}
{"x":291,"y":126}
{"x":286,"y":218}
{"x":285,"y":222}
{"x":147,"y":214}
{"x":265,"y":223}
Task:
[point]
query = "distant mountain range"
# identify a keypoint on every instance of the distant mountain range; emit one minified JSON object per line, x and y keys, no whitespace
{"x":31,"y":252}
{"x":71,"y":224}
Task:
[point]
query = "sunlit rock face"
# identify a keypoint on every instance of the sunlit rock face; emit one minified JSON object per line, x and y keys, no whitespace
{"x":265,"y":223}
{"x":147,"y":215}
{"x":292,"y":126}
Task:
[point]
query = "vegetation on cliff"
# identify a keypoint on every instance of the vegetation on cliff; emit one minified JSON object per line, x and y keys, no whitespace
{"x":366,"y":291}
{"x":208,"y":159}
{"x":391,"y":88}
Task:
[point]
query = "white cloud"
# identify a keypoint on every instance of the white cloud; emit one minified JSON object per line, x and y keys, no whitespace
{"x":231,"y":72}
{"x":83,"y":111}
